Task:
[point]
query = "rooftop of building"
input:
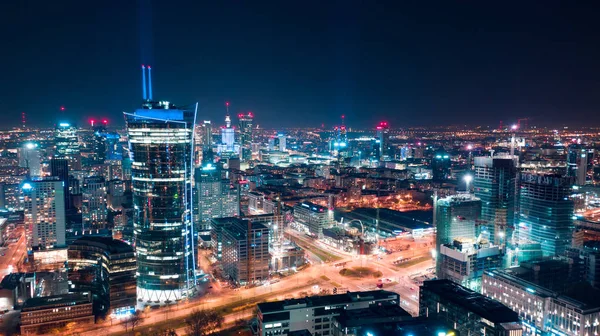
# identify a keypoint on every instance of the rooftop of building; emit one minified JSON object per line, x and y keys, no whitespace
{"x":580,"y":294}
{"x":108,"y":244}
{"x":327,"y":300}
{"x":479,"y":304}
{"x":415,"y":219}
{"x":12,"y":280}
{"x":312,"y":206}
{"x":458,"y":199}
{"x":379,"y":313}
{"x":56,"y":300}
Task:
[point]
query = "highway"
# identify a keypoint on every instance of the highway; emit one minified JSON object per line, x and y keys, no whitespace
{"x":12,"y":260}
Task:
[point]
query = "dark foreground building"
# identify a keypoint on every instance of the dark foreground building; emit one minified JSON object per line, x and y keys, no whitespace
{"x":105,"y":267}
{"x":40,"y":315}
{"x":466,"y":311}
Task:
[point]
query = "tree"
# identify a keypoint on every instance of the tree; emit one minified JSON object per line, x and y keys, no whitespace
{"x":134,"y":320}
{"x":163,"y":332}
{"x":203,"y":322}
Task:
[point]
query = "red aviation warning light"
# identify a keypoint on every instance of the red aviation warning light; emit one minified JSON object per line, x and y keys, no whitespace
{"x":250,"y":114}
{"x":105,"y":121}
{"x":92,"y":121}
{"x":62,"y":108}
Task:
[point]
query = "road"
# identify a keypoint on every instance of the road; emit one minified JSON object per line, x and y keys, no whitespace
{"x":325,"y":275}
{"x":13,"y":257}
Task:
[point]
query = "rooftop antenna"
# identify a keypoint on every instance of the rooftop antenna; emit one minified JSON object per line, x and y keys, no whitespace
{"x":227,"y":118}
{"x":143,"y":82}
{"x":149,"y":82}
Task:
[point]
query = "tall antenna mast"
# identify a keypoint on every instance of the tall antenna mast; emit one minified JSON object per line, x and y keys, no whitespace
{"x":144,"y":82}
{"x":149,"y":82}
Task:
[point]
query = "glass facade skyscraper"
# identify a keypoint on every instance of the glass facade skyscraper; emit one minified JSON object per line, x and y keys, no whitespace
{"x":161,"y":138}
{"x":455,"y":217}
{"x":495,"y":184}
{"x":245,"y":125}
{"x":546,"y":211}
{"x":67,"y":145}
{"x":216,"y":197}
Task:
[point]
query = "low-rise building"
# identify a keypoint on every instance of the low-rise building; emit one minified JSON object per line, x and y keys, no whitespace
{"x":575,"y":311}
{"x":315,"y":314}
{"x":312,"y":217}
{"x":468,"y":312}
{"x":465,"y":259}
{"x":40,"y":315}
{"x":105,"y":267}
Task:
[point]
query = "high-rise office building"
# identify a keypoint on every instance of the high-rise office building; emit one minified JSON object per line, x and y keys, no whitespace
{"x":245,"y":125}
{"x":45,"y":218}
{"x":216,"y":198}
{"x":29,"y":157}
{"x":94,"y":204}
{"x":455,"y":217}
{"x":577,"y":163}
{"x":67,"y":145}
{"x":282,"y":142}
{"x":495,"y":184}
{"x":440,"y":165}
{"x":546,"y":211}
{"x":207,"y":140}
{"x":228,"y":147}
{"x":114,"y":148}
{"x":60,"y":168}
{"x":242,"y":246}
{"x":100,"y":144}
{"x":383,"y":130}
{"x":161,"y":138}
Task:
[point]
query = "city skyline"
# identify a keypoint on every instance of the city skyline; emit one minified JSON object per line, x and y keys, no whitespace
{"x":459,"y":64}
{"x":315,"y":168}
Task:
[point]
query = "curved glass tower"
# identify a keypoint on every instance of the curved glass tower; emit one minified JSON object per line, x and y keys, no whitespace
{"x":161,"y":141}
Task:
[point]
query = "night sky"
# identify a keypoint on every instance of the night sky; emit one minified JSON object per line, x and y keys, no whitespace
{"x":304,"y":63}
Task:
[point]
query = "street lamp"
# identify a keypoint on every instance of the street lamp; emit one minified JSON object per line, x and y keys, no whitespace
{"x":468,"y":179}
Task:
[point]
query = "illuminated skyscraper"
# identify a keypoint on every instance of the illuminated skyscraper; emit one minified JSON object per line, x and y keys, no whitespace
{"x":455,"y":217}
{"x":94,"y":205}
{"x":282,"y":142}
{"x":577,"y":163}
{"x":100,"y":143}
{"x":228,"y":134}
{"x":495,"y":184}
{"x":161,"y":138}
{"x":207,"y":134}
{"x":216,"y":197}
{"x":245,"y":125}
{"x":440,"y":165}
{"x":29,"y":157}
{"x":60,"y":168}
{"x":546,"y":211}
{"x":67,"y":145}
{"x":44,"y":209}
{"x":383,"y":136}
